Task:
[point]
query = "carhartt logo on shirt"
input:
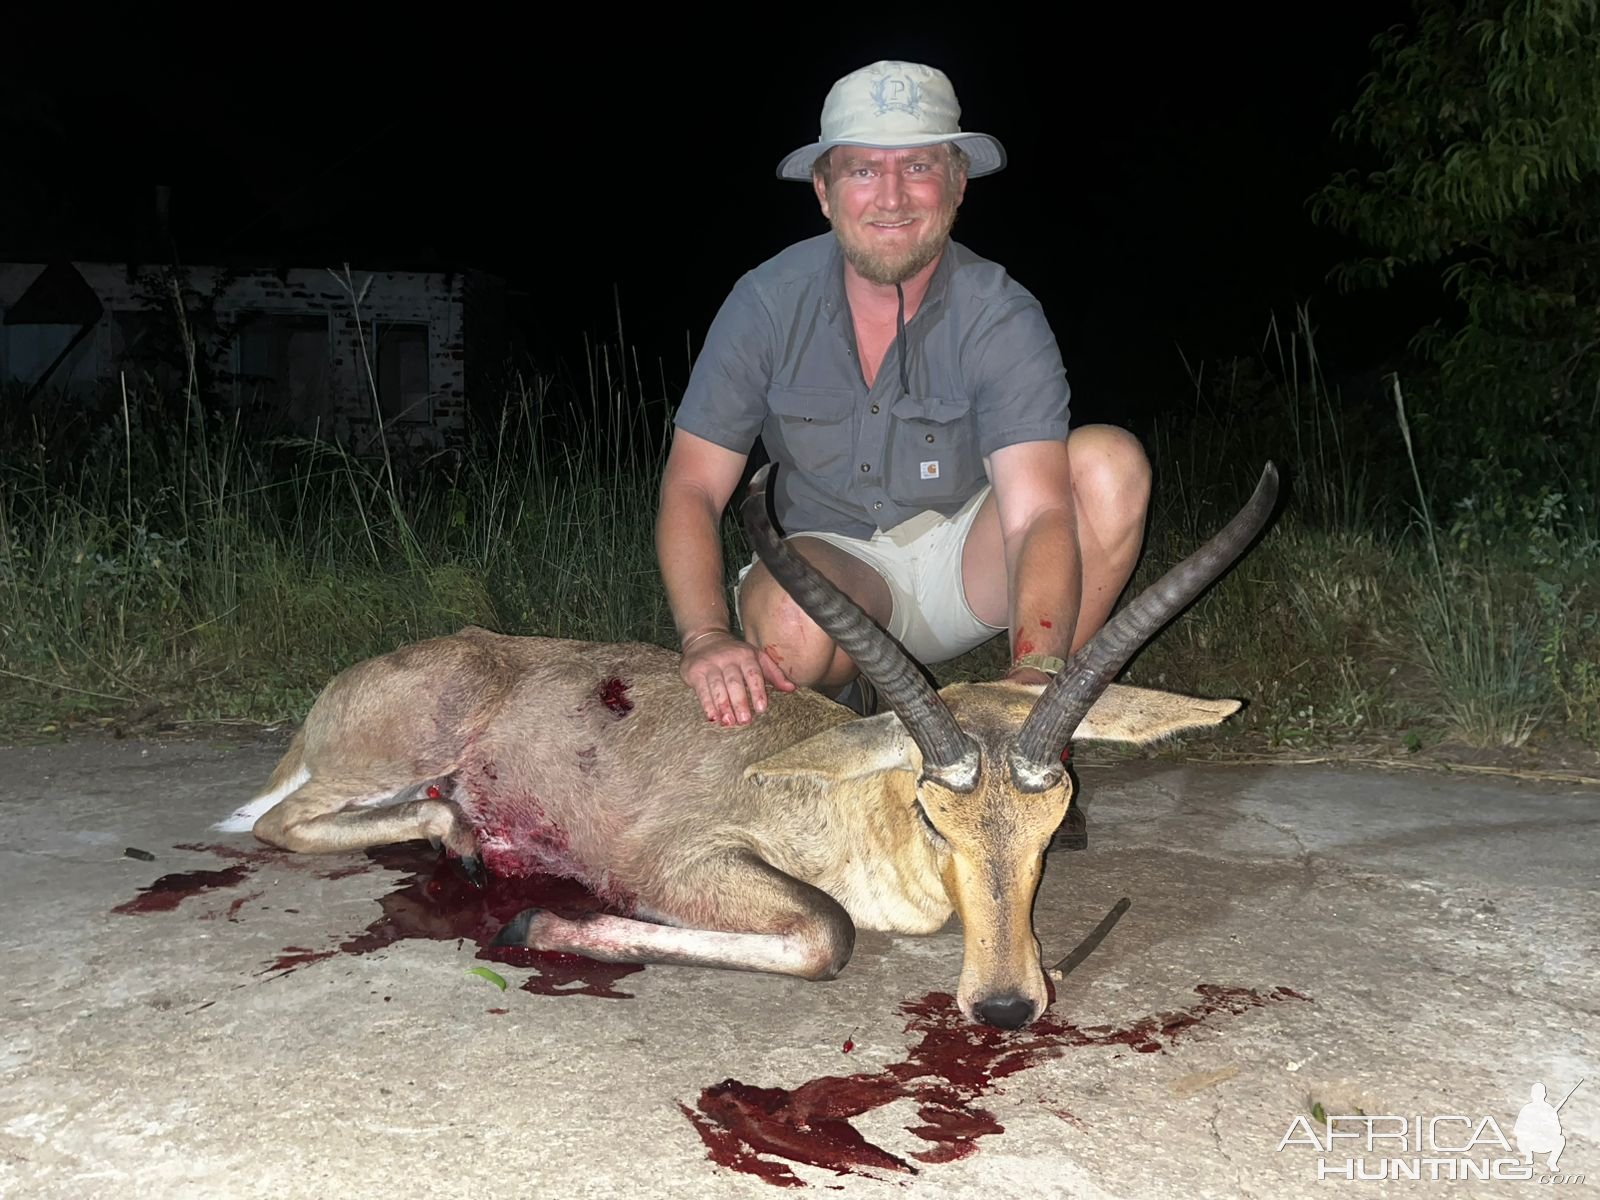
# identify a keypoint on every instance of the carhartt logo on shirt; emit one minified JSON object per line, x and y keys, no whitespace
{"x":930,"y":470}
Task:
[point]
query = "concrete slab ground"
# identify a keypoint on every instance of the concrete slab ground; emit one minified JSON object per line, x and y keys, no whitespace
{"x":1299,"y":943}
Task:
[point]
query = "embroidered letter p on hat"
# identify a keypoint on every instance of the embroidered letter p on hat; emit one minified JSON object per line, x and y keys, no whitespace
{"x":893,"y":105}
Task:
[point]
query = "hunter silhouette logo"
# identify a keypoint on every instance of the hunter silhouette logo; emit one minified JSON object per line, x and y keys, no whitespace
{"x":1538,"y":1127}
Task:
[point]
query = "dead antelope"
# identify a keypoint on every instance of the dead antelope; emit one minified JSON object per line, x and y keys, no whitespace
{"x":760,"y":847}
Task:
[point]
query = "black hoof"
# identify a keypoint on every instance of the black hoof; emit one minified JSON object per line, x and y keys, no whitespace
{"x":471,"y":868}
{"x":516,"y":931}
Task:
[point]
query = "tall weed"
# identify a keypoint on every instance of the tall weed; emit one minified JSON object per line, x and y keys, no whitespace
{"x":160,"y":557}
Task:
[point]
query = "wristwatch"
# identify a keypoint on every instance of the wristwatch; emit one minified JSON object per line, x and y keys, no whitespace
{"x":1047,"y":663}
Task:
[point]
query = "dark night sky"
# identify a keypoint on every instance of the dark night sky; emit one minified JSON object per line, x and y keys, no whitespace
{"x":1155,"y":196}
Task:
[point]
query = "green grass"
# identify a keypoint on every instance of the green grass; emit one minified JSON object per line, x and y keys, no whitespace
{"x":1361,"y":615}
{"x":213,"y":579}
{"x":165,"y":564}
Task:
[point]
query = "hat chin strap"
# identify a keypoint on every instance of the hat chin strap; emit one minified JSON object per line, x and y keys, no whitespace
{"x":900,"y":339}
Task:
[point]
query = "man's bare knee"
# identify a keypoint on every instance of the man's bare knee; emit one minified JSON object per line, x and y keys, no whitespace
{"x":776,"y":624}
{"x":773,"y":621}
{"x":1110,"y":474}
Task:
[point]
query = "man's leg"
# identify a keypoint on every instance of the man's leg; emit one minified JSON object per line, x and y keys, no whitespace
{"x":772,"y":620}
{"x":1111,"y":493}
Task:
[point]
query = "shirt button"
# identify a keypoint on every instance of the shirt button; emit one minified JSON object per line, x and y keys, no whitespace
{"x":865,"y":467}
{"x":874,"y":408}
{"x":930,"y":437}
{"x":877,"y":504}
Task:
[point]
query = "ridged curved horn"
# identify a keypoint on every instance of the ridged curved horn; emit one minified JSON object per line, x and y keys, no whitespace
{"x":947,"y":752}
{"x":1063,"y":704}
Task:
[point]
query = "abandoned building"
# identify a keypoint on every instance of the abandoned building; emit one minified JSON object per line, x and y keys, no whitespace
{"x":282,"y":348}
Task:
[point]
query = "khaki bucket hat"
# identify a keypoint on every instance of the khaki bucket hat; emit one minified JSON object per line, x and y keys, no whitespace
{"x":893,"y":105}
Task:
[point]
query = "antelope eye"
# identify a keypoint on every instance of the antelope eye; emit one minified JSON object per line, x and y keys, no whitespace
{"x":927,"y":824}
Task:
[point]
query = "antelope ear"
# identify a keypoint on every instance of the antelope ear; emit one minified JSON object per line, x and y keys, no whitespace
{"x":865,"y":746}
{"x":1141,"y":715}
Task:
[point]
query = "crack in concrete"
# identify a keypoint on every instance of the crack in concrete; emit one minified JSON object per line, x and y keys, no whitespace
{"x":1241,"y":1184}
{"x":1304,"y":857}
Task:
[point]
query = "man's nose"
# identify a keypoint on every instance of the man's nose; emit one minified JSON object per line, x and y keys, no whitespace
{"x":891,"y":190}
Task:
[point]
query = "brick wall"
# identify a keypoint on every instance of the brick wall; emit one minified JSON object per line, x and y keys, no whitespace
{"x":249,"y":316}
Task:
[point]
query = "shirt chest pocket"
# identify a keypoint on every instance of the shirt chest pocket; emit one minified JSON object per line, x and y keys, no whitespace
{"x":811,"y":428}
{"x":934,"y":455}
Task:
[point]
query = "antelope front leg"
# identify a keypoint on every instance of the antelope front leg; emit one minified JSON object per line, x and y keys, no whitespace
{"x":794,"y":928}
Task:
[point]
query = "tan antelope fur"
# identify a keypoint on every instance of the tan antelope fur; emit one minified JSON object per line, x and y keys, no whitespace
{"x":760,"y":847}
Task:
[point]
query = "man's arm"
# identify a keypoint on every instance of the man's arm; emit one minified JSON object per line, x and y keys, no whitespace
{"x":726,"y":673}
{"x":1044,"y":567}
{"x":726,"y":401}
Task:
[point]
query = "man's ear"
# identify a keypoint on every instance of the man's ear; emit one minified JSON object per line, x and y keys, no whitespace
{"x":821,"y":189}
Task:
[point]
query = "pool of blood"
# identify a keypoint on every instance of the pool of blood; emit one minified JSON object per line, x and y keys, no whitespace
{"x":750,"y":1129}
{"x":169,"y":891}
{"x":437,"y":902}
{"x":433,"y":901}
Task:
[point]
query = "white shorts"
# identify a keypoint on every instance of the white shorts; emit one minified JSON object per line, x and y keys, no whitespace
{"x":919,"y":561}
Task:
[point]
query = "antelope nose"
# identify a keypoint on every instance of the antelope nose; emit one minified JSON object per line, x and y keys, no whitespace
{"x":1004,"y":1012}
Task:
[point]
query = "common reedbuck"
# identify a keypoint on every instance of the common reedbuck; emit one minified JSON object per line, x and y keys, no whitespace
{"x":760,"y":847}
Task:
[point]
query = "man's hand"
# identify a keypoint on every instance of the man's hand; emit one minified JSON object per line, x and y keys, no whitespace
{"x":727,"y":673}
{"x":730,"y":676}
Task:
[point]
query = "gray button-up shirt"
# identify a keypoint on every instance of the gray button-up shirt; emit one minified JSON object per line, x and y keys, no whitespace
{"x":780,"y":361}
